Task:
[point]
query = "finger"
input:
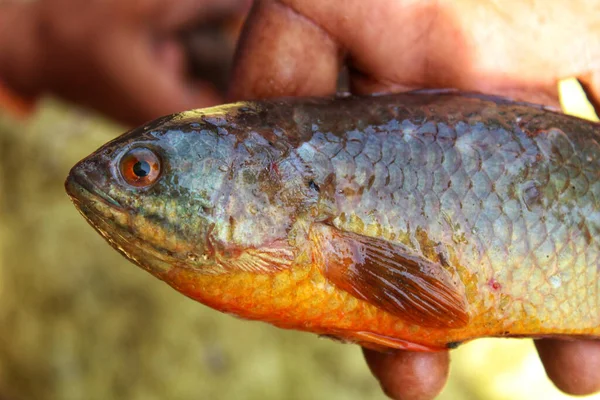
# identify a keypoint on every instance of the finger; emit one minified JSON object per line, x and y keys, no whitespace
{"x":573,"y":366}
{"x":590,"y":83}
{"x":397,"y":47}
{"x":406,"y":375}
{"x":281,"y":53}
{"x":406,"y":45}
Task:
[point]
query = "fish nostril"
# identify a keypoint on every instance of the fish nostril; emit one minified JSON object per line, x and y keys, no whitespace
{"x":95,"y":178}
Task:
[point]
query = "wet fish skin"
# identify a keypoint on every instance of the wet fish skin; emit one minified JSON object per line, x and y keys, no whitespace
{"x":306,"y":213}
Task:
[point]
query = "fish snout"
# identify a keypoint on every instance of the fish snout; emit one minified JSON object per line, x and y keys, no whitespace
{"x":90,"y":178}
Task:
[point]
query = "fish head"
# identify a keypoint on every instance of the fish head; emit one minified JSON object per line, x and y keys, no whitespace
{"x":194,"y":193}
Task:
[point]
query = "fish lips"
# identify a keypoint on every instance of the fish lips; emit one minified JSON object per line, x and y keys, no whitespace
{"x":106,"y":215}
{"x":97,"y":207}
{"x":80,"y":186}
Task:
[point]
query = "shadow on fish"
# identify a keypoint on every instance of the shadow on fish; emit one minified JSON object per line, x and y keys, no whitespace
{"x":412,"y":221}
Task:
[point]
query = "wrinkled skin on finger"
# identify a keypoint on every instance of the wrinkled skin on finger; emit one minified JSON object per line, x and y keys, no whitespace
{"x":515,"y":49}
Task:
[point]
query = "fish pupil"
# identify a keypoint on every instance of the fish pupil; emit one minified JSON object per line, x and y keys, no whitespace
{"x":141,"y":169}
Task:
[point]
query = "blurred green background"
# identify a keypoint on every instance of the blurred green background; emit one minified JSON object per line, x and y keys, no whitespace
{"x":77,"y":321}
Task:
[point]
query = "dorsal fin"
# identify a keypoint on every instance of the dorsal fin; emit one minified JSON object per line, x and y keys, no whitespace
{"x":485,"y":97}
{"x":392,"y":277}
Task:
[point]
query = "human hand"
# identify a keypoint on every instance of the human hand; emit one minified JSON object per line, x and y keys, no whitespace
{"x":123,"y":58}
{"x":516,"y":49}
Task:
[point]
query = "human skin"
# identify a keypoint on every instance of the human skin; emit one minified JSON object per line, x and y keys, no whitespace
{"x":122,"y":58}
{"x":516,"y":49}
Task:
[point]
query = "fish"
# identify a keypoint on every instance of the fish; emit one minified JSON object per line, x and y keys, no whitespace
{"x":414,"y":221}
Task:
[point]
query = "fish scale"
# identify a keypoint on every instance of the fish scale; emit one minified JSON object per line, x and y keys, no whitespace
{"x":413,"y":221}
{"x":466,"y":194}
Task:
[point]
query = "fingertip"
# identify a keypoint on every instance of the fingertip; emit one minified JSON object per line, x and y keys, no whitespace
{"x":573,"y":366}
{"x":282,"y":53}
{"x":405,"y":375}
{"x":590,"y":83}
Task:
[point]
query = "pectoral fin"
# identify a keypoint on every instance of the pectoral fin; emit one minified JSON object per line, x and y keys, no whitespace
{"x":272,"y":258}
{"x":392,"y":277}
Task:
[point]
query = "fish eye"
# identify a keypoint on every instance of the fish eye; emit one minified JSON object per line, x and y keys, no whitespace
{"x":140,"y":167}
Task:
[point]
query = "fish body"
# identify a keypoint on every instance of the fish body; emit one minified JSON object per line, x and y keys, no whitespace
{"x":415,"y":221}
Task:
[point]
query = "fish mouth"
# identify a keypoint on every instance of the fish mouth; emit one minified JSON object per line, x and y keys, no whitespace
{"x":94,"y":206}
{"x":97,"y":208}
{"x":81,"y":189}
{"x":110,"y":219}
